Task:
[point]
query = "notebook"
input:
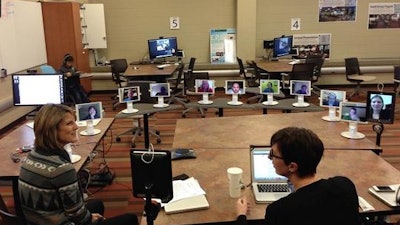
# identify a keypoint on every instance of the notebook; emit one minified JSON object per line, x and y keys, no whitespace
{"x":187,"y":204}
{"x":263,"y":174}
{"x":389,"y":198}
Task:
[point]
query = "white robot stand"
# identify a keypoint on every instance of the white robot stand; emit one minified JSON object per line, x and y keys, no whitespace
{"x":270,"y":100}
{"x":160,"y":103}
{"x":332,"y":115}
{"x":205,"y":100}
{"x":90,"y":130}
{"x":300,"y":102}
{"x":352,"y":133}
{"x":129,"y":108}
{"x":235,"y":101}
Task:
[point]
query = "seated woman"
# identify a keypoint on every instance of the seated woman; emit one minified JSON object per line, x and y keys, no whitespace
{"x":50,"y":193}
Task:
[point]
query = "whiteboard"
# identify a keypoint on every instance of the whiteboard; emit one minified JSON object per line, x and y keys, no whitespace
{"x":22,"y":43}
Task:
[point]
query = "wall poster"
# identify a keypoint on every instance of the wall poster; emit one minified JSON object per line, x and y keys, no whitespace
{"x":337,"y":10}
{"x":223,"y":46}
{"x":383,"y":15}
{"x":312,"y":44}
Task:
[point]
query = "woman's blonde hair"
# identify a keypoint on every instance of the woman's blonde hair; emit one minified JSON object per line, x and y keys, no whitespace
{"x":47,"y":122}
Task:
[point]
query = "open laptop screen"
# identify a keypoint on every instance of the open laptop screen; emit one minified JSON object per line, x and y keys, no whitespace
{"x":262,"y":167}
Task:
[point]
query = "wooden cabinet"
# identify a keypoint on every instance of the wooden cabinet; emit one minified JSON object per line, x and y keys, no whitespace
{"x":63,"y":34}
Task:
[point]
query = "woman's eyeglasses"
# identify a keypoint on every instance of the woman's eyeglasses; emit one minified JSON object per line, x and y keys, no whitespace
{"x":271,"y":155}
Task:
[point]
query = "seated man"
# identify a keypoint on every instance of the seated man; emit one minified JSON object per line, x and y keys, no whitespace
{"x":295,"y":154}
{"x":73,"y":88}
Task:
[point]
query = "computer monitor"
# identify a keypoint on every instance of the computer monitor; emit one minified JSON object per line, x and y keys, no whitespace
{"x":89,"y":112}
{"x":300,"y":88}
{"x":269,"y":87}
{"x":162,"y":47}
{"x":283,"y":46}
{"x":129,"y":95}
{"x":331,"y":99}
{"x":160,"y":90}
{"x":205,"y":87}
{"x":151,"y":174}
{"x":38,"y":89}
{"x":381,"y":106}
{"x":235,"y":88}
{"x":354,"y":113}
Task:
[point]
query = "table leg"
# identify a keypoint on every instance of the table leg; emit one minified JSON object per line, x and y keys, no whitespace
{"x":146,"y":130}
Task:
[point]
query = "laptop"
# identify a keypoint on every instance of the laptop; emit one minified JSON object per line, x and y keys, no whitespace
{"x":389,"y":198}
{"x":267,"y":186}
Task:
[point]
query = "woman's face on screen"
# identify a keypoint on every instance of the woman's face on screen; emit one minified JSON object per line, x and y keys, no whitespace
{"x":376,"y":103}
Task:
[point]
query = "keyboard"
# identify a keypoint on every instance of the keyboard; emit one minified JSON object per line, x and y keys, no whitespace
{"x":273,"y":188}
{"x":163,"y":65}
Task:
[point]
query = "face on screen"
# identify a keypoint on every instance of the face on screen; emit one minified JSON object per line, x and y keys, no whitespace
{"x":130,"y":94}
{"x":88,"y":111}
{"x":300,"y":87}
{"x":269,"y":86}
{"x":353,"y":111}
{"x":204,"y":86}
{"x":380,"y":106}
{"x":234,"y":87}
{"x":331,"y":98}
{"x":159,"y":90}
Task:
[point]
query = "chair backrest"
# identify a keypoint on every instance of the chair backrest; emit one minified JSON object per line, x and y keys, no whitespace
{"x":318,"y":63}
{"x":241,"y":67}
{"x":118,"y":67}
{"x":396,"y":73}
{"x":352,"y":66}
{"x":191,"y":64}
{"x":179,"y":78}
{"x":190,"y":79}
{"x":144,"y":90}
{"x":302,"y":71}
{"x":47,"y":69}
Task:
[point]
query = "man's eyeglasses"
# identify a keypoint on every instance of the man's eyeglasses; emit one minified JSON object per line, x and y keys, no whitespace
{"x":271,"y":155}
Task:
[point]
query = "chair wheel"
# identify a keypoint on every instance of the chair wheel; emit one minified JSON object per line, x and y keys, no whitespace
{"x":133,"y":145}
{"x":183,"y":116}
{"x":157,"y":132}
{"x":118,"y":139}
{"x":158,"y":141}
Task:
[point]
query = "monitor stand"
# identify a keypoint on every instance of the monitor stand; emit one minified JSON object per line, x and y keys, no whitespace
{"x":129,"y":108}
{"x":235,"y":101}
{"x":160,"y":103}
{"x":300,"y":102}
{"x":270,"y":100}
{"x":90,"y":130}
{"x":205,"y":100}
{"x":352,"y":133}
{"x":331,"y":116}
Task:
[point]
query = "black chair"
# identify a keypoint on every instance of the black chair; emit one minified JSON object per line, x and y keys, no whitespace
{"x":300,"y":71}
{"x":137,"y":127}
{"x":254,"y":83}
{"x":7,"y":216}
{"x":354,"y":75}
{"x":191,"y":64}
{"x":396,"y":79}
{"x":318,"y":62}
{"x":249,"y":78}
{"x":177,"y":87}
{"x":118,"y":67}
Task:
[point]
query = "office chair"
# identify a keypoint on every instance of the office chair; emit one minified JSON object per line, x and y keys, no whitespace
{"x":137,"y":128}
{"x":300,"y":71}
{"x":177,"y":87}
{"x":354,"y":75}
{"x":249,"y":78}
{"x":191,"y":64}
{"x":254,"y":83}
{"x":396,"y":79}
{"x":318,"y":61}
{"x":189,"y":89}
{"x":118,"y":67}
{"x":7,"y":216}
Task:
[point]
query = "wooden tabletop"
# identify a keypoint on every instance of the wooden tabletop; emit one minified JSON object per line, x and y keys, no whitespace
{"x":275,"y":66}
{"x":242,"y":131}
{"x":213,"y":179}
{"x":149,"y":70}
{"x":24,"y":135}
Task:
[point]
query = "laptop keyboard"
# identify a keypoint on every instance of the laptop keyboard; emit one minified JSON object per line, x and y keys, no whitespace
{"x":273,"y":188}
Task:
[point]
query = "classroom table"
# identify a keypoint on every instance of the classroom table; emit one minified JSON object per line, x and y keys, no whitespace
{"x":243,"y":131}
{"x":213,"y":179}
{"x":149,"y":72}
{"x":282,"y":66}
{"x":24,"y":135}
{"x":146,"y":109}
